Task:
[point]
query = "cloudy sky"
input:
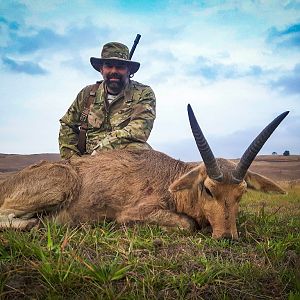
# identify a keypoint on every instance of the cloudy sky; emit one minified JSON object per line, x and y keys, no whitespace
{"x":236,"y":62}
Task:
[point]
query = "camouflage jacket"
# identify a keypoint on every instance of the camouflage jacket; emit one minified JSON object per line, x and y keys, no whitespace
{"x":125,"y":122}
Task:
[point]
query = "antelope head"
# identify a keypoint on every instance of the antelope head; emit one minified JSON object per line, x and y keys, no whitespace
{"x":216,"y":186}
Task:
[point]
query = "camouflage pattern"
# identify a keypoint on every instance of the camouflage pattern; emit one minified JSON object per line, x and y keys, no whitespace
{"x":115,"y":51}
{"x":125,"y":123}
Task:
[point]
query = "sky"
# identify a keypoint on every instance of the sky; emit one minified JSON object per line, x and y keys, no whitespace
{"x":236,"y":62}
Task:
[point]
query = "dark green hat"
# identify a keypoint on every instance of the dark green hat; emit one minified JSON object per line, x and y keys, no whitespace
{"x":114,"y":51}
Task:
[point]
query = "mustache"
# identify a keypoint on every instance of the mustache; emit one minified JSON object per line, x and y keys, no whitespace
{"x":114,"y":75}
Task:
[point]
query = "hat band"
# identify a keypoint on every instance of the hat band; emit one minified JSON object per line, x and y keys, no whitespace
{"x":114,"y":58}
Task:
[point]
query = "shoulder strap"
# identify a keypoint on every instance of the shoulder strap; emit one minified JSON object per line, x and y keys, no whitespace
{"x":84,"y":118}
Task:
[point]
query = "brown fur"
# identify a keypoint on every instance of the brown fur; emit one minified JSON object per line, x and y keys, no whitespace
{"x":126,"y":186}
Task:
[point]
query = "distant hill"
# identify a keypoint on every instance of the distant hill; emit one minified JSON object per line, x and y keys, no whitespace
{"x":10,"y":163}
{"x":277,"y":167}
{"x":16,"y":162}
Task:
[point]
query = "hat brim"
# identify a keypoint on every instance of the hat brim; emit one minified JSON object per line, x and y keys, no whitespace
{"x":98,"y":62}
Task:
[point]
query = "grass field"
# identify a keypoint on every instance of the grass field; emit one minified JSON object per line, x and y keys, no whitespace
{"x":147,"y":262}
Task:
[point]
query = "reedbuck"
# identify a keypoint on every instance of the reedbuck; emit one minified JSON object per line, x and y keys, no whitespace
{"x":137,"y":186}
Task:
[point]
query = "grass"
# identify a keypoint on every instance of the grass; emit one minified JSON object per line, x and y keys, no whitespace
{"x":146,"y":262}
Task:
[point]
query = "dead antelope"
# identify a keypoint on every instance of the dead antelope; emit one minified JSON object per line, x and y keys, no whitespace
{"x":137,"y":186}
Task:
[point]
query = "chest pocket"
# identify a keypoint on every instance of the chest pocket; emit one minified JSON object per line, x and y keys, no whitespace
{"x":96,"y":116}
{"x":121,"y":118}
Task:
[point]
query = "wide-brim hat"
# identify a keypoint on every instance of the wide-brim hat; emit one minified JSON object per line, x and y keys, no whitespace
{"x":112,"y":52}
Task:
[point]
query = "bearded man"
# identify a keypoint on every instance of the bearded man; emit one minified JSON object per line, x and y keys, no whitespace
{"x":114,"y":113}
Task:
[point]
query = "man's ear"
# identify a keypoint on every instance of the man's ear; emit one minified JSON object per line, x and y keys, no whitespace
{"x":187,"y":180}
{"x":260,"y":183}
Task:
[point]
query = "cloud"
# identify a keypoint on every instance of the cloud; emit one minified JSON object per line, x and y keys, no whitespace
{"x":285,"y":137}
{"x":293,"y":5}
{"x":235,"y":14}
{"x":290,"y":83}
{"x":157,"y":65}
{"x":212,"y":71}
{"x":24,"y":41}
{"x":254,"y":71}
{"x":23,"y":46}
{"x":13,"y":10}
{"x":27,"y":67}
{"x":76,"y":62}
{"x":11,"y":25}
{"x":288,"y":37}
{"x":44,"y":38}
{"x":144,"y":6}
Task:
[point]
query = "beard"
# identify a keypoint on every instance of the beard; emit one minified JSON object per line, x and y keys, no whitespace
{"x":115,"y":83}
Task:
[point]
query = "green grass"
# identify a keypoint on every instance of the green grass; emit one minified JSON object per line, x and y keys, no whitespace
{"x":145,"y":262}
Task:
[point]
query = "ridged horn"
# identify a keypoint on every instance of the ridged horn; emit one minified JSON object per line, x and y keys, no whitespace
{"x":212,"y":168}
{"x":251,"y":152}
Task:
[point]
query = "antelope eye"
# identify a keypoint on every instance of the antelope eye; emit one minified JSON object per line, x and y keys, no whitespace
{"x":208,"y":191}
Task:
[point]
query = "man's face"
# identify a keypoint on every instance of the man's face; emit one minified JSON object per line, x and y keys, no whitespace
{"x":116,"y":76}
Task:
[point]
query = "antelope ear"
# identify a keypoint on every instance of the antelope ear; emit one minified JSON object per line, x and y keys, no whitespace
{"x":260,"y":183}
{"x":187,"y":180}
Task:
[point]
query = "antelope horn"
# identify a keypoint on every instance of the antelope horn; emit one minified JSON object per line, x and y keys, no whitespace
{"x":251,"y":152}
{"x":212,"y":168}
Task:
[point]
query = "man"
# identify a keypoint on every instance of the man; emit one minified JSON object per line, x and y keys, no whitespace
{"x":121,"y":113}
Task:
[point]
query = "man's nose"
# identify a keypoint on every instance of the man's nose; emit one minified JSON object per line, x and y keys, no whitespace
{"x":114,"y":69}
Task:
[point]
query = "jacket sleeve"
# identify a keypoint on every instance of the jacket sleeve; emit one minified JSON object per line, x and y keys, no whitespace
{"x":69,"y":128}
{"x":139,"y":127}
